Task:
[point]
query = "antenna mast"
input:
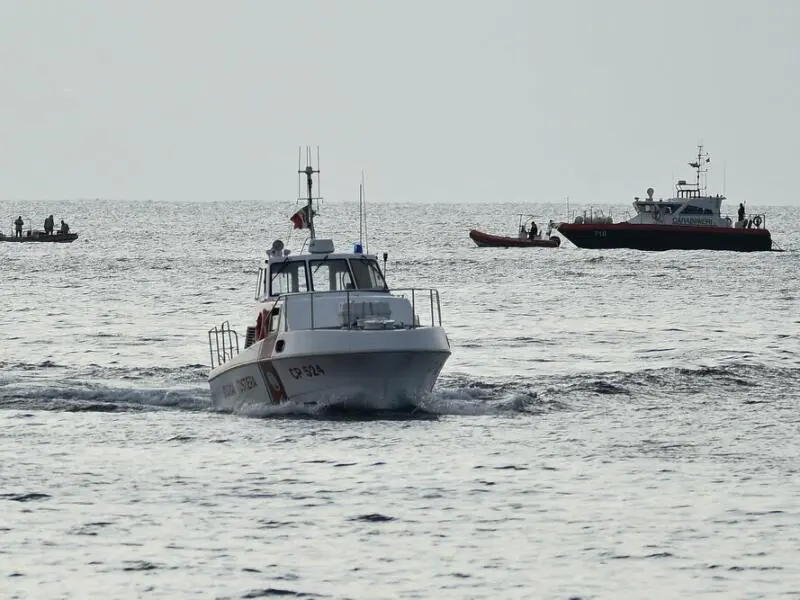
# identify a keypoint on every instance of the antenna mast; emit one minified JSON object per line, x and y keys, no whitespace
{"x":724,"y":176}
{"x":699,"y":158}
{"x":309,"y":171}
{"x":364,"y":210}
{"x":699,"y":167}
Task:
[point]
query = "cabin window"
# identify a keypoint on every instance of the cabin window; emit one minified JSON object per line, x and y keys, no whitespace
{"x":288,"y":277}
{"x":368,"y":275}
{"x":693,"y":210}
{"x":330,"y":275}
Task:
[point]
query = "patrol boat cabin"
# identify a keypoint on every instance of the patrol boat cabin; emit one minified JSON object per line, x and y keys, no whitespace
{"x":322,"y":270}
{"x":689,"y":207}
{"x":328,"y":290}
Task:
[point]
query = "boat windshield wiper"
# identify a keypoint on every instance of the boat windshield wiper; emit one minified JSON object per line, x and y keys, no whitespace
{"x":279,"y":270}
{"x":321,"y":261}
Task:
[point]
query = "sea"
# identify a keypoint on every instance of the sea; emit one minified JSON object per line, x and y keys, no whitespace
{"x":610,"y":424}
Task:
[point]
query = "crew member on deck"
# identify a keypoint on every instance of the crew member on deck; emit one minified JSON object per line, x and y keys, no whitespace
{"x":741,"y":211}
{"x":18,"y":227}
{"x":534,"y":229}
{"x":48,"y":225}
{"x":522,"y":232}
{"x":64,"y":227}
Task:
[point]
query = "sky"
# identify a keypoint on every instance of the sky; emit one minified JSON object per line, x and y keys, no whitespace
{"x":436,"y":100}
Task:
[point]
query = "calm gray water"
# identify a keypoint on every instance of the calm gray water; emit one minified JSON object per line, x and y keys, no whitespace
{"x":611,"y":424}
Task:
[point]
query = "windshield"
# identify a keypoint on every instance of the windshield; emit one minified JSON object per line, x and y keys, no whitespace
{"x":288,"y":277}
{"x":330,"y":275}
{"x":368,"y":275}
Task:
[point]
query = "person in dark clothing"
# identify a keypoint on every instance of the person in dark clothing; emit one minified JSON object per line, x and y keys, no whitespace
{"x":48,"y":225}
{"x":64,"y":227}
{"x":741,"y":211}
{"x":533,"y":231}
{"x":18,"y":227}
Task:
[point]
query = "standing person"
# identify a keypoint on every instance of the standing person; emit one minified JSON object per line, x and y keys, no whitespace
{"x":18,"y":227}
{"x":48,"y":225}
{"x":64,"y":227}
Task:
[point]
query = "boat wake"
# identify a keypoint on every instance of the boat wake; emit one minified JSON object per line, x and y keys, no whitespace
{"x":51,"y":387}
{"x":92,"y":388}
{"x":76,"y":397}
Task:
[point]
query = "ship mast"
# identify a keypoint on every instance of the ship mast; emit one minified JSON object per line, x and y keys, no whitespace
{"x":702,"y":160}
{"x":309,"y":171}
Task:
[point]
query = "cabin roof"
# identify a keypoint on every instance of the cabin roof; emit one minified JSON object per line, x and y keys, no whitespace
{"x":321,"y":256}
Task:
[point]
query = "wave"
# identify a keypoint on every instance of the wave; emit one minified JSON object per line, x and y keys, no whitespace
{"x":708,"y":381}
{"x":184,"y":373}
{"x":91,"y":397}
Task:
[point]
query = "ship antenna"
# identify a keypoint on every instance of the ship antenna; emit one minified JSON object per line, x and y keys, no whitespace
{"x":361,"y":209}
{"x":724,"y":176}
{"x":699,"y":158}
{"x":698,"y":166}
{"x":309,"y":172}
{"x":364,"y":205}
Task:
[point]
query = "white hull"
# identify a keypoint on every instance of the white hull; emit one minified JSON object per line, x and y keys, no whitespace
{"x":381,"y":370}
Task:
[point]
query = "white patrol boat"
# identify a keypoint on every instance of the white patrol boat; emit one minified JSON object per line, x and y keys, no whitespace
{"x":329,"y":332}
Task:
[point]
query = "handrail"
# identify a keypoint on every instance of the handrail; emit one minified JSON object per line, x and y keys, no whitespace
{"x":748,"y":220}
{"x":431,"y":293}
{"x":224,"y":352}
{"x":223,"y":341}
{"x":269,"y":316}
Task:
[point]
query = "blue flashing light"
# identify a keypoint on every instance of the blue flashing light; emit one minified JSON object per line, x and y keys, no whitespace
{"x":358,"y":248}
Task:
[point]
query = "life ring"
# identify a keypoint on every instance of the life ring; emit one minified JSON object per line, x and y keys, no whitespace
{"x":757,"y":221}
